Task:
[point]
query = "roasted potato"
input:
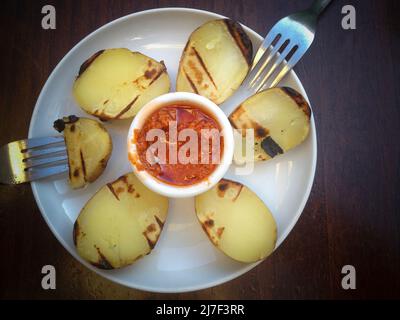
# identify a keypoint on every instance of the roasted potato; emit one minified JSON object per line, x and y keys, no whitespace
{"x":280,"y":118}
{"x":89,"y":147}
{"x":215,"y":61}
{"x":116,"y":83}
{"x":120,"y":223}
{"x":237,"y":221}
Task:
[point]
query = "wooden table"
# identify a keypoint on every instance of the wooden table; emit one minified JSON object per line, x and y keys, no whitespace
{"x":352,"y":78}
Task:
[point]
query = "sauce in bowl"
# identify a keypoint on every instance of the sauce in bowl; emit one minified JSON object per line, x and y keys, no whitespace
{"x":179,"y":144}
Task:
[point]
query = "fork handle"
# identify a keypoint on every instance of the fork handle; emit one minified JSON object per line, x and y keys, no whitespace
{"x":318,"y":6}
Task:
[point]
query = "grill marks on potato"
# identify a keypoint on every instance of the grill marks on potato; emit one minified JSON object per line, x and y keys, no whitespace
{"x":220,"y":231}
{"x":127,"y":108}
{"x":192,"y":85}
{"x":131,"y":189}
{"x":222,"y":187}
{"x":153,"y":232}
{"x":241,"y":39}
{"x":197,"y":73}
{"x":212,"y":232}
{"x":101,"y":115}
{"x":241,"y":119}
{"x":111,"y":188}
{"x":88,"y":62}
{"x":102,"y":263}
{"x":232,"y":187}
{"x":149,"y":74}
{"x":152,"y":73}
{"x":157,"y":75}
{"x":123,"y":178}
{"x":203,"y":65}
{"x":75,"y":232}
{"x":209,"y":223}
{"x":299,"y":100}
{"x":271,"y":147}
{"x":150,"y":229}
{"x":82,"y":160}
{"x":260,"y":132}
{"x":120,"y":186}
{"x":76,"y":173}
{"x":235,"y":116}
{"x":208,"y":232}
{"x":159,"y":222}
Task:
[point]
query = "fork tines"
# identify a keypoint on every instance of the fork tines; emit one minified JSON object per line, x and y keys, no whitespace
{"x":32,"y":159}
{"x":278,"y":55}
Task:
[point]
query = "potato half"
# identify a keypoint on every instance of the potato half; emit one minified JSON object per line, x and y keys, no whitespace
{"x":120,"y":223}
{"x":237,"y":221}
{"x":116,"y":83}
{"x":215,"y":61}
{"x":89,"y":147}
{"x":280,"y":118}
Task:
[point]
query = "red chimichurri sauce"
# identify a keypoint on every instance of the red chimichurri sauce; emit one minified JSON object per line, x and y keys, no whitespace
{"x":170,"y":169}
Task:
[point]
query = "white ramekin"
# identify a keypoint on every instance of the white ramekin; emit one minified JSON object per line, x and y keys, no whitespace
{"x":211,"y":108}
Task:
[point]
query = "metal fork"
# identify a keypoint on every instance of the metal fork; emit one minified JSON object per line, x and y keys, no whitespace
{"x":283,"y":47}
{"x":32,"y":159}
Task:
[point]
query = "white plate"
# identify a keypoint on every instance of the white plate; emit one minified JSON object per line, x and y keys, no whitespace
{"x":184,"y":259}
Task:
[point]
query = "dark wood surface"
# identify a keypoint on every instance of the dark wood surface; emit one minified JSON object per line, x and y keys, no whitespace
{"x":352,"y":78}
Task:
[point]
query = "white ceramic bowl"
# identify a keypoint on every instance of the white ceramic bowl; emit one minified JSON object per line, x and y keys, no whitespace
{"x":181,"y":98}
